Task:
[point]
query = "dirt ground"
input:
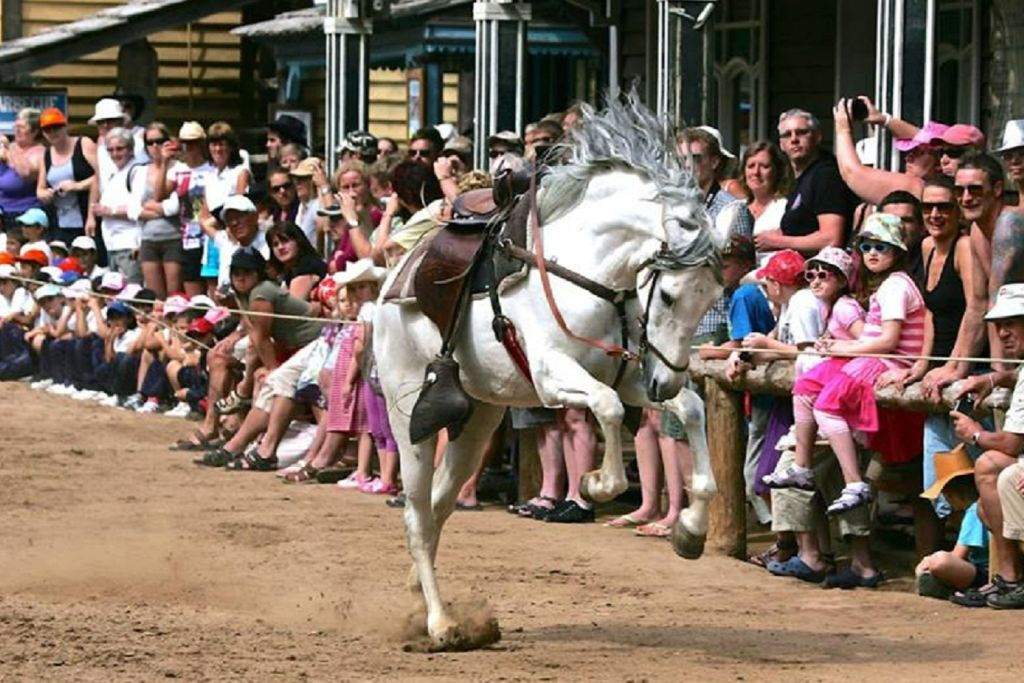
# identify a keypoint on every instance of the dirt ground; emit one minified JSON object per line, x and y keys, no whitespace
{"x":120,"y":560}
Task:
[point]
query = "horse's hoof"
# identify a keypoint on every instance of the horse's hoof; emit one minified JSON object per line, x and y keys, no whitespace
{"x":688,"y":546}
{"x":468,"y":635}
{"x":594,"y":488}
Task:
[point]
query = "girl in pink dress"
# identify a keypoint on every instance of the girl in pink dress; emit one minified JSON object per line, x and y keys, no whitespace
{"x":838,"y":398}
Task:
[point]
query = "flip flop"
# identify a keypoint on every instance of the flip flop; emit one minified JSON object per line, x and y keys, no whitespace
{"x":476,"y":507}
{"x":653,"y":530}
{"x":627,"y":521}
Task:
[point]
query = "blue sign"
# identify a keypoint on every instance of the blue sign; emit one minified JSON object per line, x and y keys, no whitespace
{"x":14,"y":100}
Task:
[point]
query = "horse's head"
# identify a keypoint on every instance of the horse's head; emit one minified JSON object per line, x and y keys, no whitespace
{"x":677,"y":286}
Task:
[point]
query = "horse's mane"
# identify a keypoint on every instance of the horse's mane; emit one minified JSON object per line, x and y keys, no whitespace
{"x":625,"y":136}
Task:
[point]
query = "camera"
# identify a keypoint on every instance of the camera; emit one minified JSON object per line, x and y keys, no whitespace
{"x":747,"y":357}
{"x":965,"y":405}
{"x":856,"y":108}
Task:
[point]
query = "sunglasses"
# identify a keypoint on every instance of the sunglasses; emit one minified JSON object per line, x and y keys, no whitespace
{"x":928,"y":207}
{"x":54,"y":128}
{"x":973,"y":190}
{"x":796,"y":132}
{"x":878,"y":247}
{"x":816,"y":274}
{"x":281,"y":188}
{"x":423,"y":153}
{"x":155,"y":141}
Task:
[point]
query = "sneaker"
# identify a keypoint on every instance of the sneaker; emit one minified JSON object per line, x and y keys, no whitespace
{"x":570,"y":512}
{"x":377,"y":487}
{"x":1010,"y":595}
{"x":794,"y":477}
{"x":84,"y":395}
{"x":101,"y":396}
{"x":352,"y":482}
{"x":183,"y":409}
{"x":853,"y":496}
{"x":109,"y":402}
{"x":61,"y":389}
{"x":133,"y":402}
{"x":41,"y":384}
{"x":149,"y":407}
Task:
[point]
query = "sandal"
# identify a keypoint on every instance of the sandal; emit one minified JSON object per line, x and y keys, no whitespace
{"x":776,"y":552}
{"x":294,"y":467}
{"x":306,"y":473}
{"x":796,"y":568}
{"x":251,"y":461}
{"x":216,"y":458}
{"x":197,"y":442}
{"x":978,"y":597}
{"x":627,"y":521}
{"x":520,"y":508}
{"x":653,"y":530}
{"x":333,"y":474}
{"x":233,"y":403}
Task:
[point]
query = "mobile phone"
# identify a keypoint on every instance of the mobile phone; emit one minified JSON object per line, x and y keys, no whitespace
{"x":965,"y":405}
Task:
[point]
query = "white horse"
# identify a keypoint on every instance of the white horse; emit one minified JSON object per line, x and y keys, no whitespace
{"x":624,"y":212}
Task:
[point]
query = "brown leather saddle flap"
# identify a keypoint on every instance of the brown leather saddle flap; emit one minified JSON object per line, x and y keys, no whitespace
{"x":439,"y":279}
{"x":475,"y":203}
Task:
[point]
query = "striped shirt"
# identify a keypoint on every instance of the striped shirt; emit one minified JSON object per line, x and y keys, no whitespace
{"x":898,"y":299}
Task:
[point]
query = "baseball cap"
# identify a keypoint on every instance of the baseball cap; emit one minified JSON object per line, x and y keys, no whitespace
{"x":7,"y":271}
{"x":113,"y":281}
{"x":118,"y":308}
{"x":835,"y":257}
{"x":248,"y":258}
{"x":52,"y":117}
{"x":84,"y":242}
{"x":79,"y":288}
{"x":717,"y":135}
{"x":785,"y":267}
{"x":175,"y":304}
{"x":129,"y":291}
{"x":201,"y":301}
{"x":52,"y":272}
{"x":58,"y":244}
{"x":34,"y":217}
{"x":199,"y":327}
{"x":6,"y":258}
{"x":191,"y":130}
{"x":71,"y":265}
{"x":47,"y":291}
{"x":237,"y":202}
{"x":35,"y":256}
{"x":1009,"y":302}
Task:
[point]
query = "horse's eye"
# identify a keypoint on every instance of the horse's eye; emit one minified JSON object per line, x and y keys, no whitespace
{"x":666,"y":298}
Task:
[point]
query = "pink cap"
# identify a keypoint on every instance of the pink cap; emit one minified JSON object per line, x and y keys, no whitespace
{"x":925,"y":136}
{"x":129,"y":291}
{"x":113,"y":281}
{"x":963,"y":135}
{"x":215,"y":315}
{"x":175,"y":304}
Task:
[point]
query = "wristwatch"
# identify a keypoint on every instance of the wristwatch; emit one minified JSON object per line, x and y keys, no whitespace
{"x":974,"y":438}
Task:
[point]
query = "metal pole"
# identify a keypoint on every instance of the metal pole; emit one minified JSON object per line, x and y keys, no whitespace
{"x":613,"y":51}
{"x":492,"y":104}
{"x":477,"y":97}
{"x":520,"y":73}
{"x":884,"y":103}
{"x":363,"y":85}
{"x":929,"y":61}
{"x":897,"y":74}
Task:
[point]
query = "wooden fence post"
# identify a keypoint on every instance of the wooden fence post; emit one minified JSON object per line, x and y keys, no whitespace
{"x":727,"y":530}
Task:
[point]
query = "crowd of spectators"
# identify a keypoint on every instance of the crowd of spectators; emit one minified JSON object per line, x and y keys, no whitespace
{"x":156,"y":270}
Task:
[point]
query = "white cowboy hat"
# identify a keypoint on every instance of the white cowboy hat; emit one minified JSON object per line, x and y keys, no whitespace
{"x":1009,"y":303}
{"x":362,"y":270}
{"x":1013,"y":135}
{"x":714,"y":132}
{"x":107,"y":109}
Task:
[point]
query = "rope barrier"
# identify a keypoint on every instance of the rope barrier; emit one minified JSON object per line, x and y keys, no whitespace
{"x":694,"y":347}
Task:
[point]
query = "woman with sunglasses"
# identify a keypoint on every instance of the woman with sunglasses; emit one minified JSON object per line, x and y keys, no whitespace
{"x":65,"y":176}
{"x":229,"y":175}
{"x":294,"y":260}
{"x":160,"y":250}
{"x":284,"y":200}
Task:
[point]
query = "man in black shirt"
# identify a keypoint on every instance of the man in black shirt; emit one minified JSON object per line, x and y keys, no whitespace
{"x":819,"y":209}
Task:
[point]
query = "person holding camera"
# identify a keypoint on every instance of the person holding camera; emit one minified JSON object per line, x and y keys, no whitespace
{"x":999,"y":473}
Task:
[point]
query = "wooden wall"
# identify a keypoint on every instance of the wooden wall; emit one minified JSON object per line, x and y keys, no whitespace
{"x":207,"y":91}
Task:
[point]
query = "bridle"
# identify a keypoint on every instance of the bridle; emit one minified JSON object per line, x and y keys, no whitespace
{"x":645,"y":344}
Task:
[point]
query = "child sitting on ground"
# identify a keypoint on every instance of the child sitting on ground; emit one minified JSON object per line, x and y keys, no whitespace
{"x":966,"y":565}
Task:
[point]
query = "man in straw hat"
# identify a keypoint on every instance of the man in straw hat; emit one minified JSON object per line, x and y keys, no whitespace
{"x":998,"y":472}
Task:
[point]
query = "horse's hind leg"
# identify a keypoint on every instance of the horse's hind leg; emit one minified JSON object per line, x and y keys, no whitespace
{"x":691,"y":528}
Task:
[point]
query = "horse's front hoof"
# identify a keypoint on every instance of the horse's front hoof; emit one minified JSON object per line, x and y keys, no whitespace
{"x":471,"y":634}
{"x":687,"y":545}
{"x":597,"y":489}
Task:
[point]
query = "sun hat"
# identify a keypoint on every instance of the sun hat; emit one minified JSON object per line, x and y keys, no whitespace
{"x":883,"y":227}
{"x":459,"y":144}
{"x":362,"y":270}
{"x":47,"y":291}
{"x":785,"y":267}
{"x":175,"y":304}
{"x":84,"y":242}
{"x":948,"y":466}
{"x":963,"y":135}
{"x":200,"y":327}
{"x":1009,"y":302}
{"x":108,"y":109}
{"x":305,"y":168}
{"x":7,"y":271}
{"x":360,"y":142}
{"x":506,"y":137}
{"x":113,"y":281}
{"x":52,"y":117}
{"x":191,"y":130}
{"x":289,"y":128}
{"x":1013,"y":135}
{"x":34,"y":217}
{"x":248,"y":258}
{"x":237,"y":202}
{"x":835,"y":257}
{"x":717,"y":135}
{"x":34,"y":256}
{"x":928,"y":132}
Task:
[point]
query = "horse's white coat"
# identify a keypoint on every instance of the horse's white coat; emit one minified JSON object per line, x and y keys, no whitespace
{"x":608,"y":237}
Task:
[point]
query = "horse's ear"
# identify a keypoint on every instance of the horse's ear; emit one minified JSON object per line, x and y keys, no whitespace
{"x":725,"y":222}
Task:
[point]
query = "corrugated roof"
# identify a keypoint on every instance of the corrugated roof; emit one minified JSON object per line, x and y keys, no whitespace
{"x":109,"y":27}
{"x":311,"y":20}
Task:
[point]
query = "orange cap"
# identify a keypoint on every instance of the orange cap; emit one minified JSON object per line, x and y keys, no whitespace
{"x":35,"y":256}
{"x":52,"y":117}
{"x":6,"y":258}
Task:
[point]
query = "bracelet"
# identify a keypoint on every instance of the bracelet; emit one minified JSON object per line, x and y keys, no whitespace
{"x":888,"y":119}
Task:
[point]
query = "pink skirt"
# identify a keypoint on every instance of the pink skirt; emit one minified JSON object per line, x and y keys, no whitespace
{"x":345,"y":410}
{"x":845,"y":388}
